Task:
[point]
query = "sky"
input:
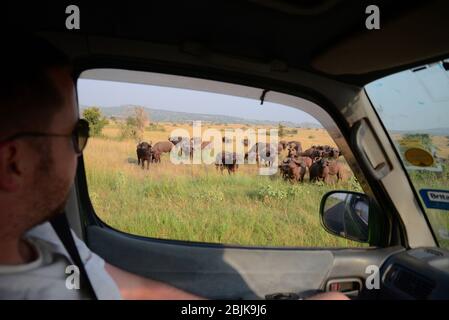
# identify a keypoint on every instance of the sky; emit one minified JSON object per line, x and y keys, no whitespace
{"x":405,"y":101}
{"x":413,"y":100}
{"x":113,"y":94}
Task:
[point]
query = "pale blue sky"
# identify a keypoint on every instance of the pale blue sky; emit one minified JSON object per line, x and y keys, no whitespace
{"x":113,"y":94}
{"x":413,"y":100}
{"x":405,"y":101}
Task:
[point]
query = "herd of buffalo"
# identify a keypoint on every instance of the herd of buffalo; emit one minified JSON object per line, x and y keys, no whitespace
{"x":320,"y":161}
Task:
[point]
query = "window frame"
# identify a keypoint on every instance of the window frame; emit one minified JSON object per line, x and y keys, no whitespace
{"x":394,"y":236}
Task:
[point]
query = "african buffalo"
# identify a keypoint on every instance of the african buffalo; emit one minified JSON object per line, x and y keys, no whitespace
{"x":144,"y":151}
{"x":296,"y":145}
{"x":292,"y":153}
{"x":293,"y":169}
{"x":162,"y":147}
{"x":201,"y":145}
{"x":333,"y":153}
{"x":175,"y":140}
{"x":262,"y":151}
{"x":313,"y":153}
{"x":156,"y":156}
{"x":228,"y":160}
{"x":319,"y":171}
{"x":336,"y":169}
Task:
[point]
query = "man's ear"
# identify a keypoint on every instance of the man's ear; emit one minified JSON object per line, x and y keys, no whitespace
{"x":10,"y":173}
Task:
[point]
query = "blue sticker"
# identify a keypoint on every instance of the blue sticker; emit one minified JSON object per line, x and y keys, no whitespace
{"x":435,"y":199}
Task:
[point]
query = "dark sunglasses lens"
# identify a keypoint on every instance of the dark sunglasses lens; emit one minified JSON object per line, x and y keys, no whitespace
{"x":82,"y":135}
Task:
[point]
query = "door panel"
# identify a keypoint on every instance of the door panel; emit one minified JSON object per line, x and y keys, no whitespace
{"x":217,"y":272}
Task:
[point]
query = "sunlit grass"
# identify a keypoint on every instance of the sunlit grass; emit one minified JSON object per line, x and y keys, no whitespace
{"x":198,"y":203}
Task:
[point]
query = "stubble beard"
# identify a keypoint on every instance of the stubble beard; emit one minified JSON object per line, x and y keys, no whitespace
{"x":50,"y":192}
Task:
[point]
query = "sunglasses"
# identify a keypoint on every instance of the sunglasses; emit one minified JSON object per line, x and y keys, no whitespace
{"x":79,"y":135}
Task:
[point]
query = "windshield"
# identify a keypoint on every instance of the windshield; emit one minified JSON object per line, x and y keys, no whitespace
{"x":414,"y":108}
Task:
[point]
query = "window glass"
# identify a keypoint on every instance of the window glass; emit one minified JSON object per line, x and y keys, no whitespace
{"x":248,"y":200}
{"x":414,"y":107}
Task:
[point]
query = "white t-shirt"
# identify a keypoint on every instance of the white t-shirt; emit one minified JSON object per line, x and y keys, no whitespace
{"x":45,"y":277}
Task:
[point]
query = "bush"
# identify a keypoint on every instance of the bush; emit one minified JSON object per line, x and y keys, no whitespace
{"x":96,"y":120}
{"x":155,"y":127}
{"x":134,"y":125}
{"x":128,"y":131}
{"x":281,"y":130}
{"x":268,"y":192}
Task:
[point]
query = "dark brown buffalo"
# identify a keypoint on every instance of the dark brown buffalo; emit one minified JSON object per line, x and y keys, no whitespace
{"x":306,"y":156}
{"x":144,"y":151}
{"x":298,"y":170}
{"x":319,"y":171}
{"x":183,"y":144}
{"x":262,"y":151}
{"x":322,"y":148}
{"x":156,"y":156}
{"x":332,"y":153}
{"x":175,"y":140}
{"x":227,"y":160}
{"x":189,"y":147}
{"x":314,"y":153}
{"x":336,"y":169}
{"x":307,"y":162}
{"x":292,"y":153}
{"x":296,"y":145}
{"x":293,"y":169}
{"x":284,"y":168}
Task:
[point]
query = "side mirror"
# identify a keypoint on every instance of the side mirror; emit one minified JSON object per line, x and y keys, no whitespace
{"x":345,"y":214}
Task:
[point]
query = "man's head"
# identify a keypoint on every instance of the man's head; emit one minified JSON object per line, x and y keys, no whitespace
{"x":37,"y":95}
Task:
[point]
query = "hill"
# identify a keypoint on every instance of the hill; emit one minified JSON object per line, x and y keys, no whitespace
{"x":158,"y":115}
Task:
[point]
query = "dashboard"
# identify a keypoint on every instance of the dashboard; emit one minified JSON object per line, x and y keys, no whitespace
{"x":421,"y":273}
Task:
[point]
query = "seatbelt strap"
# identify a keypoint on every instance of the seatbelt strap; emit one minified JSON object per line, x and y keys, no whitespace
{"x":61,"y":226}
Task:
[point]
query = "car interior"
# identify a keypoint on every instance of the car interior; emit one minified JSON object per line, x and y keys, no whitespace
{"x":315,"y":56}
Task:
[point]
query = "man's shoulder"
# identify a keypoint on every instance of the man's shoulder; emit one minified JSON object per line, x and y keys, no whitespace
{"x":45,"y":232}
{"x":103,"y":284}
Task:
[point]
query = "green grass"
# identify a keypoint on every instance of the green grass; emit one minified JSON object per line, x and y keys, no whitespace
{"x":210,"y":207}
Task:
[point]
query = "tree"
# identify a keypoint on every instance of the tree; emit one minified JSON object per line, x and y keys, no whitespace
{"x":135,"y":124}
{"x":141,"y":118}
{"x":281,"y":130}
{"x":96,"y":120}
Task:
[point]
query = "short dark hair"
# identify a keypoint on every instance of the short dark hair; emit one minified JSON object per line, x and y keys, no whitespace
{"x":28,"y":95}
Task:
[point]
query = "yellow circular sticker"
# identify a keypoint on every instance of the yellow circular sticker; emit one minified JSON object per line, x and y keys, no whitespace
{"x":419,"y":157}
